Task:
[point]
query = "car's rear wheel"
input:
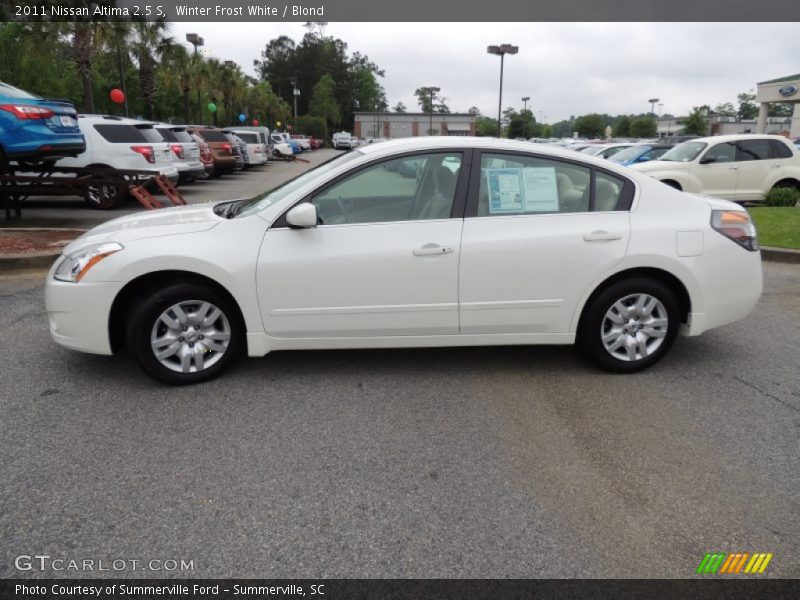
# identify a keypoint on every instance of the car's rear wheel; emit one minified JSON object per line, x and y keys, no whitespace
{"x":185,"y":333}
{"x":630,"y":325}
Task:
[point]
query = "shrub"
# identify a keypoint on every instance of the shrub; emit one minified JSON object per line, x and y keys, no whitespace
{"x":314,"y":126}
{"x":782,"y":196}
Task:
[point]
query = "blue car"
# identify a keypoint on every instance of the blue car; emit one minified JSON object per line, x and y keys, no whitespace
{"x":33,"y":128}
{"x":639,"y":153}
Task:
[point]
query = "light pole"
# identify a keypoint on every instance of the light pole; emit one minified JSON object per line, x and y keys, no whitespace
{"x":431,"y":90}
{"x":501,"y":51}
{"x":652,"y":102}
{"x":195,"y":40}
{"x":525,"y":109}
{"x":295,"y":94}
{"x":525,"y":102}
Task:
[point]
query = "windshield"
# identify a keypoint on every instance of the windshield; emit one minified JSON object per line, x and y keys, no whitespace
{"x":685,"y":152}
{"x":630,"y":153}
{"x":259,"y":203}
{"x":592,"y":150}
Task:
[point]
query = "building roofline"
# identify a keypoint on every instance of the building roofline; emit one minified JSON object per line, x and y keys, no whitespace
{"x":781,"y":79}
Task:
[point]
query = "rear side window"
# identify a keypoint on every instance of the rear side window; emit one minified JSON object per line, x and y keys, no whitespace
{"x":120,"y":134}
{"x":182,"y":136}
{"x":780,"y":150}
{"x":211,"y":135}
{"x":754,"y":150}
{"x":725,"y":152}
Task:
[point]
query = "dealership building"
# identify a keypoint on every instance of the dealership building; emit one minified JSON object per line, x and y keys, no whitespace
{"x":784,"y":90}
{"x":402,"y":125}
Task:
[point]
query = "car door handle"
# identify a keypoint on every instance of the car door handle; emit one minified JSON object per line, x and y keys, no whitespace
{"x":601,"y":236}
{"x":733,"y":168}
{"x":433,"y":250}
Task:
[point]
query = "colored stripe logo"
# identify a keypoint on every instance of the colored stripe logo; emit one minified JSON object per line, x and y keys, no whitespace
{"x":734,"y":563}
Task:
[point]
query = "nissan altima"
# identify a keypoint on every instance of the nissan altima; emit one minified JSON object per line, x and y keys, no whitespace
{"x":489,"y":242}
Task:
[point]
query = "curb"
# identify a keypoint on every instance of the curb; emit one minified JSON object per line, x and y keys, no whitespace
{"x":780,"y":255}
{"x":23,"y":262}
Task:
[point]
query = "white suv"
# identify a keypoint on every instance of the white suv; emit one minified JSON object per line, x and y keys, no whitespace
{"x":733,"y":167}
{"x":185,"y":151}
{"x":257,"y":152}
{"x":343,"y":140}
{"x":122,"y":143}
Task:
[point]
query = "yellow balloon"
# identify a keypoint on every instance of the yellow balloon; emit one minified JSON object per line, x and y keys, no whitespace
{"x":278,"y":123}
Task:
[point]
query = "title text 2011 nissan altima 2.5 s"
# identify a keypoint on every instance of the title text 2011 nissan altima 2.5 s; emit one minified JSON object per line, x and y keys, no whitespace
{"x":419,"y":242}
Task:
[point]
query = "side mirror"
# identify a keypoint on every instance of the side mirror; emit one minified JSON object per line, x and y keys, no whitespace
{"x":641,"y":159}
{"x":707,"y":160}
{"x":303,"y":215}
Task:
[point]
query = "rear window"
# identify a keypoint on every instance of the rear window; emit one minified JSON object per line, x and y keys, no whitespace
{"x":211,"y":135}
{"x":780,"y":149}
{"x":182,"y":136}
{"x":168,"y":135}
{"x":120,"y":134}
{"x":12,"y":92}
{"x":150,"y":134}
{"x":250,"y":138}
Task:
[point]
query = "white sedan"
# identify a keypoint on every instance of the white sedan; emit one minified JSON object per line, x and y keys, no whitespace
{"x":489,"y":242}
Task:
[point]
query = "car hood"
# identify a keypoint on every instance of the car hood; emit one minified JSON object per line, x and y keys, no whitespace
{"x":661,"y":165}
{"x":156,"y":223}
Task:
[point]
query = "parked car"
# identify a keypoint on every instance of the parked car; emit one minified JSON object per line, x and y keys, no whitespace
{"x":303,"y":141}
{"x":185,"y":151}
{"x":297,"y":147}
{"x":257,"y":152}
{"x":205,"y":154}
{"x":343,"y":141}
{"x":734,"y":167}
{"x":34,"y":128}
{"x":604,"y":150}
{"x":316,"y":143}
{"x":239,"y":149}
{"x":221,"y":147}
{"x":263,"y":135}
{"x":639,"y":153}
{"x":121,"y":143}
{"x":281,"y":142}
{"x":456,"y":257}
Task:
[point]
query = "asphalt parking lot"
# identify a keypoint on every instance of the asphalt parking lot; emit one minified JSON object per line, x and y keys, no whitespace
{"x":484,"y":462}
{"x":73,"y":211}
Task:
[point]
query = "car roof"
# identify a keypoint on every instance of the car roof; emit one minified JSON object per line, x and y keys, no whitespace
{"x":737,"y":137}
{"x":115,"y":119}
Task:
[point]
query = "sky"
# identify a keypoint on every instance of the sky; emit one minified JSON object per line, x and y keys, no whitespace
{"x":565,"y":68}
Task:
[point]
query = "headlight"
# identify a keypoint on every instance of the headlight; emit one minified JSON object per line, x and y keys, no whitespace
{"x":74,"y":266}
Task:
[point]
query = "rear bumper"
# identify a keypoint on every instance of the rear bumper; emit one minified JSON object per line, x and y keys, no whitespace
{"x":44,"y":150}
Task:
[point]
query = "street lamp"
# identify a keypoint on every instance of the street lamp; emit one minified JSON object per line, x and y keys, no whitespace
{"x":501,"y":51}
{"x":295,"y":94}
{"x":195,"y":40}
{"x":525,"y":102}
{"x":652,"y":102}
{"x":431,"y":90}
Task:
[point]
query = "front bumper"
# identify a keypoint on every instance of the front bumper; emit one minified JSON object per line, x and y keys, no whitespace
{"x":78,"y":313}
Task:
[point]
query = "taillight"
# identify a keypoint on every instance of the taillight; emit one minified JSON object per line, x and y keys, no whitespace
{"x":177,"y":149}
{"x":146,"y":151}
{"x":225,"y":148}
{"x":22,"y":111}
{"x":736,"y":226}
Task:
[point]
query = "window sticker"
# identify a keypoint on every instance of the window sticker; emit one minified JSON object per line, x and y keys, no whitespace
{"x":526,"y":190}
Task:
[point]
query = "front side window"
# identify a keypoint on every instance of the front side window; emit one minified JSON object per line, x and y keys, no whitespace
{"x":754,"y":150}
{"x":685,"y":152}
{"x":410,"y":188}
{"x":721,"y":153}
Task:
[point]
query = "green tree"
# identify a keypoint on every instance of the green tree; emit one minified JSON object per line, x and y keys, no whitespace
{"x":643,"y":127}
{"x":696,"y":123}
{"x":149,"y":44}
{"x":323,"y":102}
{"x":522,"y":124}
{"x":590,"y":126}
{"x":725,"y":109}
{"x":313,"y":126}
{"x":399,"y":108}
{"x":748,"y":109}
{"x":486,"y":127}
{"x":622,"y":128}
{"x":426,"y":105}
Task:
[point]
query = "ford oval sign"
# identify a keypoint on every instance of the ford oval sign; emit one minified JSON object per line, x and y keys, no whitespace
{"x":788,"y":90}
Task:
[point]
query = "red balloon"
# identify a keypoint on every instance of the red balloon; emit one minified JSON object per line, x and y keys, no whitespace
{"x":117,"y":96}
{"x":255,"y":122}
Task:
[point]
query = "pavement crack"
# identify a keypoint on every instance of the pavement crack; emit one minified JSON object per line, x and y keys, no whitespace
{"x":765,"y":393}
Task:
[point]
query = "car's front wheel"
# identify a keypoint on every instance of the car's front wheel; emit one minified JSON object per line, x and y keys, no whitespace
{"x":185,"y":333}
{"x":630,"y":325}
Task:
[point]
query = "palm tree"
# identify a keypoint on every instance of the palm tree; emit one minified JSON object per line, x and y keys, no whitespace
{"x":83,"y":50}
{"x":149,"y":44}
{"x":180,"y":72}
{"x":116,"y":35}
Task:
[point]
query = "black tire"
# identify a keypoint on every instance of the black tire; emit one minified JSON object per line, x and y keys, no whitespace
{"x":145,"y":316}
{"x":595,"y":325}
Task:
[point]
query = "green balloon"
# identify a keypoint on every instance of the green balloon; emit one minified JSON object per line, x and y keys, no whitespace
{"x":212,"y":108}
